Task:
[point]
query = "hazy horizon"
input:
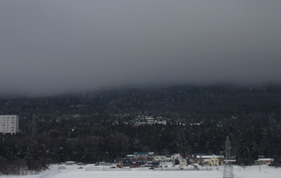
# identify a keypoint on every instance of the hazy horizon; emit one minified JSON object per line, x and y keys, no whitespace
{"x":56,"y":47}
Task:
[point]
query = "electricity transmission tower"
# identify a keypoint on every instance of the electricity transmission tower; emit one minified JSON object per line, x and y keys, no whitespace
{"x":228,"y":169}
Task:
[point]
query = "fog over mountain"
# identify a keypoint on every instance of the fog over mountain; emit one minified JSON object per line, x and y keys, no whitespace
{"x":58,"y":46}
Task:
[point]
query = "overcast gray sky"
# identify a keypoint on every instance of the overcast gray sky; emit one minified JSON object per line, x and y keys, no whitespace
{"x":57,"y":46}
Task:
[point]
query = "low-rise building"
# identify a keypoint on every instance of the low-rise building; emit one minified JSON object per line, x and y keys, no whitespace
{"x":205,"y":159}
{"x":265,"y":161}
{"x":138,"y":159}
{"x":177,"y":156}
{"x":161,"y":122}
{"x":214,"y":162}
{"x":150,"y":120}
{"x":160,"y":158}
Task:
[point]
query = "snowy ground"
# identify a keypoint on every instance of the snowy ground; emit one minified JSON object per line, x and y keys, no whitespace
{"x":105,"y":172}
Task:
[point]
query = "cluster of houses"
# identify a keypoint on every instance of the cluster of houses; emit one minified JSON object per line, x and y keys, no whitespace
{"x":150,"y":121}
{"x":149,"y":159}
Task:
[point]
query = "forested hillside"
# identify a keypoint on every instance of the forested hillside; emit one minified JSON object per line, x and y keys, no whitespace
{"x":96,"y":126}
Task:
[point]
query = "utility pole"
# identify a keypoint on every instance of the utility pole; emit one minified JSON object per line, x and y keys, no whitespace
{"x":228,"y":169}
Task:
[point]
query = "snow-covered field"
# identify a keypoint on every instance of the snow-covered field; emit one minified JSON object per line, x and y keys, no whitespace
{"x":105,"y":172}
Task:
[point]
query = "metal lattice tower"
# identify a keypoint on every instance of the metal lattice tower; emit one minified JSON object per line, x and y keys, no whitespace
{"x":228,"y":169}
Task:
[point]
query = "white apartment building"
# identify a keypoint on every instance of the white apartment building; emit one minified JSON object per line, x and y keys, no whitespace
{"x":9,"y":124}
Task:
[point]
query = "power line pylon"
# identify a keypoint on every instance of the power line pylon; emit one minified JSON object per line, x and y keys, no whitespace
{"x":228,"y":169}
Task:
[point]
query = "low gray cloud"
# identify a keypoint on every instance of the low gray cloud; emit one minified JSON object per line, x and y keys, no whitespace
{"x":53,"y":47}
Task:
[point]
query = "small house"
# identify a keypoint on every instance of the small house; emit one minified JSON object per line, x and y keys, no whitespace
{"x":214,"y":162}
{"x":205,"y":159}
{"x":265,"y":161}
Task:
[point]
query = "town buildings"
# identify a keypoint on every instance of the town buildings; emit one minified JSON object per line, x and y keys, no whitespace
{"x":138,"y":159}
{"x":150,"y":121}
